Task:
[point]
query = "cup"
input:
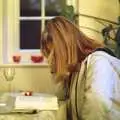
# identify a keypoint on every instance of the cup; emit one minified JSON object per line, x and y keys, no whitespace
{"x":16,"y":58}
{"x":37,"y":58}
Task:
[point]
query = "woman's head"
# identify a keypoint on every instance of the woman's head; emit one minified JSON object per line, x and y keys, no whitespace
{"x":64,"y":44}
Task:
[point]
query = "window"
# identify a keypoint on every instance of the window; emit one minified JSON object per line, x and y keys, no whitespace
{"x":31,"y":16}
{"x":23,"y":22}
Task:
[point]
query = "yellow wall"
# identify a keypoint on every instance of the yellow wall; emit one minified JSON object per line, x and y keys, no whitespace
{"x":99,"y":8}
{"x":26,"y":78}
{"x":39,"y":79}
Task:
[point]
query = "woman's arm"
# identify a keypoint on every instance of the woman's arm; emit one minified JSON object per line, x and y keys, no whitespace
{"x":103,"y":78}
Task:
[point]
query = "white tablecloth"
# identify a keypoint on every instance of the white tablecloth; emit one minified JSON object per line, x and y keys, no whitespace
{"x":41,"y":115}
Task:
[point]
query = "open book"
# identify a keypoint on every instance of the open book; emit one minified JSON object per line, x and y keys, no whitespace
{"x":37,"y":102}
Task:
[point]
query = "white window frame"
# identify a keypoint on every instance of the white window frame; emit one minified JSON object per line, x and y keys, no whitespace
{"x":1,"y":30}
{"x":11,"y":30}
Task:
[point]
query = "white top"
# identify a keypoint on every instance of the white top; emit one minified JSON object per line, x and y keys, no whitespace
{"x":104,"y":74}
{"x":102,"y":99}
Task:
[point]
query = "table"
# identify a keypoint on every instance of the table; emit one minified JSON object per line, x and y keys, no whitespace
{"x":41,"y":115}
{"x":59,"y":114}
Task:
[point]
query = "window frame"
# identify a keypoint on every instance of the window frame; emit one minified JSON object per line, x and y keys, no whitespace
{"x":1,"y":30}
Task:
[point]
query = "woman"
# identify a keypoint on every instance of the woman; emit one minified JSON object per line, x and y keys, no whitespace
{"x":89,"y":70}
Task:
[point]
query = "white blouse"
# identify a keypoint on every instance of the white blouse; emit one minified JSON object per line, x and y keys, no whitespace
{"x":102,"y":99}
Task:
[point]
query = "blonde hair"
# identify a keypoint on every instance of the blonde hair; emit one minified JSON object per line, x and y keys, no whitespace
{"x":70,"y":45}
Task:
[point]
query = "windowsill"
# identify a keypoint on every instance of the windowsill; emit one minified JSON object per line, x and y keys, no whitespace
{"x":24,"y":65}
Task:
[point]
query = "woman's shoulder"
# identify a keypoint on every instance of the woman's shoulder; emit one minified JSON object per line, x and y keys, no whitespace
{"x":103,"y":58}
{"x":106,"y":50}
{"x":104,"y":53}
{"x":101,"y":55}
